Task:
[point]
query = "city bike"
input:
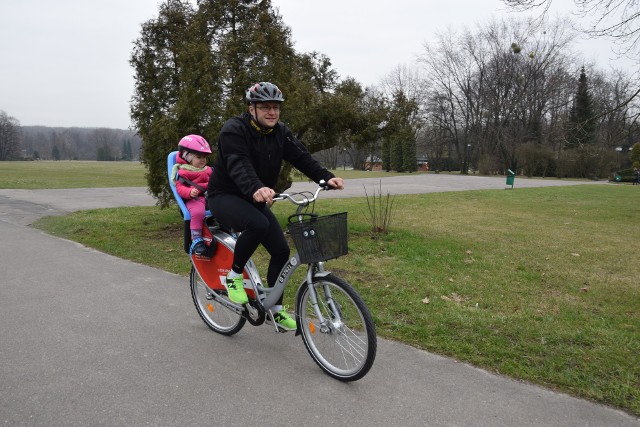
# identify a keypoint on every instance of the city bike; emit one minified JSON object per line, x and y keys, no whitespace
{"x":335,"y":324}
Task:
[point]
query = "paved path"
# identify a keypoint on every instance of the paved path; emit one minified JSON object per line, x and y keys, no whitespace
{"x":90,"y":339}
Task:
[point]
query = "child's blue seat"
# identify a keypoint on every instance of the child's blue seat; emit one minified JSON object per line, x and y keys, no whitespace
{"x":171,"y":161}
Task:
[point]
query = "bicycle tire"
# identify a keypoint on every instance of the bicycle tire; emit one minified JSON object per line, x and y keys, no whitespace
{"x":344,"y":351}
{"x":213,"y":313}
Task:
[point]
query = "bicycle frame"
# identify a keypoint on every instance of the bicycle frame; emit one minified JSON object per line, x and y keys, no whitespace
{"x":213,"y":271}
{"x":332,"y":319}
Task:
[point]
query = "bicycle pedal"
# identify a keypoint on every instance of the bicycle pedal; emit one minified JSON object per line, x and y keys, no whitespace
{"x":282,"y":329}
{"x":278,"y":328}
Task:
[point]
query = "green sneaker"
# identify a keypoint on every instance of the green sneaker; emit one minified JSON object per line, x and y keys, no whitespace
{"x":284,"y":320}
{"x":235,"y":290}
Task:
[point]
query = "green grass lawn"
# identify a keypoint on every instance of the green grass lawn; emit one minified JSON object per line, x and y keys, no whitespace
{"x":537,"y":284}
{"x":71,"y":174}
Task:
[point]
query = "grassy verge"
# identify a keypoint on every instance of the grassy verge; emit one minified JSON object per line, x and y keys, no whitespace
{"x":538,"y":284}
{"x":71,"y":174}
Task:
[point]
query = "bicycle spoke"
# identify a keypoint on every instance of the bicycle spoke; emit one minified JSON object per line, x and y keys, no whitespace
{"x":350,"y":342}
{"x":344,"y":346}
{"x":212,"y":310}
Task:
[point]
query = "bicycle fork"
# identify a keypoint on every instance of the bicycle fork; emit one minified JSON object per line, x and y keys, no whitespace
{"x":326,"y":325}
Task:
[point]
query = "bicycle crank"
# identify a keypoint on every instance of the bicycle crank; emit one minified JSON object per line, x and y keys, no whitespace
{"x":253,"y":314}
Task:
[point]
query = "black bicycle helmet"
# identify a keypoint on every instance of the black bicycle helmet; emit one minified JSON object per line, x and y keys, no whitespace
{"x":264,"y":92}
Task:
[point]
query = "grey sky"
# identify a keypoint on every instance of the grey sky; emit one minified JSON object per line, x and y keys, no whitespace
{"x":65,"y":62}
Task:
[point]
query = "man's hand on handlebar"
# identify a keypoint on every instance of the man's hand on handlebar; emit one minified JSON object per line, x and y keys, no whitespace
{"x":264,"y":195}
{"x":267,"y":195}
{"x":336,"y":182}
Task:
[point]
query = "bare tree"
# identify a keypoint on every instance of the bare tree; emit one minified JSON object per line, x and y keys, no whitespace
{"x":453,"y":79}
{"x":616,"y":20}
{"x":106,"y":143}
{"x":9,"y":137}
{"x":489,"y":88}
{"x":408,"y":80}
{"x":501,"y":97}
{"x":404,"y":88}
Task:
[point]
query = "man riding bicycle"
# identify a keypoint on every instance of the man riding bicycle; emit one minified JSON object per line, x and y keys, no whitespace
{"x":251,"y":149}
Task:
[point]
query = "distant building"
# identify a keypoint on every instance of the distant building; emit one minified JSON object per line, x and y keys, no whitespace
{"x":423,"y":164}
{"x":373,"y":163}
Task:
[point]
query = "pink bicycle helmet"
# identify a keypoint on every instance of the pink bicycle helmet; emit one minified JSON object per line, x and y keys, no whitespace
{"x":194,"y":144}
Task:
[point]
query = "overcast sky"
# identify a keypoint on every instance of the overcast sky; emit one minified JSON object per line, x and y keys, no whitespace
{"x":66,"y":62}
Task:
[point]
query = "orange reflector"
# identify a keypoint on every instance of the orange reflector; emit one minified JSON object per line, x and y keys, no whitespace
{"x":210,"y":307}
{"x":312,"y":328}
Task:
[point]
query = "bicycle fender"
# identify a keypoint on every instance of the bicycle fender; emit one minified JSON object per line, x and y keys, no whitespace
{"x":321,"y":274}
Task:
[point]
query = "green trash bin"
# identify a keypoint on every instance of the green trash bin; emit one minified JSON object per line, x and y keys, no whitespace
{"x":511,"y":177}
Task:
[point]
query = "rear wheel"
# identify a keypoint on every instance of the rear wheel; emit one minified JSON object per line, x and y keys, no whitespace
{"x":210,"y":306}
{"x":345,"y":344}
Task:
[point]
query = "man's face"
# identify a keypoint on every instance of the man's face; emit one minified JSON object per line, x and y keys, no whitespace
{"x":266,"y":113}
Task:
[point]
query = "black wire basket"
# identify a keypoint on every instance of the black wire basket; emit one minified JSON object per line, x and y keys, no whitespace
{"x":319,"y":238}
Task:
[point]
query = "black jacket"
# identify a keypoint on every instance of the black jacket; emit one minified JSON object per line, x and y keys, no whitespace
{"x":249,"y":159}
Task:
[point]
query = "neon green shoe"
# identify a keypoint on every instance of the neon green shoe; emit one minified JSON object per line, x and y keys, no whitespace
{"x":235,"y":290}
{"x":284,"y":320}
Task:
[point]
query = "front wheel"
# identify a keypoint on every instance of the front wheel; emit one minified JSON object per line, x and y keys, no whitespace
{"x":210,"y":307}
{"x":344,"y":343}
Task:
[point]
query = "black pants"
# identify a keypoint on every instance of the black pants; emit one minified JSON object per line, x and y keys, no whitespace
{"x":258,"y":226}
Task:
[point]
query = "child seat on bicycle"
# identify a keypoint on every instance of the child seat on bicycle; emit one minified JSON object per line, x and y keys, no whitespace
{"x":191,"y":177}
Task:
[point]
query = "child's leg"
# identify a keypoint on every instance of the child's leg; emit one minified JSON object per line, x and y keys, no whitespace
{"x":196,"y":209}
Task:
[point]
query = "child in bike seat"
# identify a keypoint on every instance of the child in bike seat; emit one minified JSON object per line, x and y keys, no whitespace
{"x":191,"y":183}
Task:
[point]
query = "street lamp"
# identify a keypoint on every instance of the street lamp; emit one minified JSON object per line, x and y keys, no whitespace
{"x":619,"y":150}
{"x":346,"y":152}
{"x":344,"y":159}
{"x":467,"y":149}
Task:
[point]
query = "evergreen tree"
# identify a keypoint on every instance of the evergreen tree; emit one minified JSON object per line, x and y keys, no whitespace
{"x":634,"y":156}
{"x":396,"y":153}
{"x":402,"y":136}
{"x":583,"y":126}
{"x":193,"y":64}
{"x":409,"y":158}
{"x":385,"y":154}
{"x":55,"y":153}
{"x":126,"y":150}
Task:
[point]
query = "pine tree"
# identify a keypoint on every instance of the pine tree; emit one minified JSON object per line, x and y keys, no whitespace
{"x":126,"y":150}
{"x":410,"y":158}
{"x":402,"y":139}
{"x":385,"y":151}
{"x":583,"y":127}
{"x":193,"y":64}
{"x":397,"y":153}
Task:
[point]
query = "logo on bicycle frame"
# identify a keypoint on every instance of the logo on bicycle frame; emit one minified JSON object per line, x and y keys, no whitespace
{"x":287,"y":269}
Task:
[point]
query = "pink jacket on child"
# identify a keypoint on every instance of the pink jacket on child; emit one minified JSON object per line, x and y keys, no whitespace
{"x":199,"y":176}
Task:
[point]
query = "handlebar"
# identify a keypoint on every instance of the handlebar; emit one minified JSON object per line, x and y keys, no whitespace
{"x":305,"y":201}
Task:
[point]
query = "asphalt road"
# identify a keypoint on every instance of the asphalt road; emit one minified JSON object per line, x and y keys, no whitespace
{"x":90,"y":339}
